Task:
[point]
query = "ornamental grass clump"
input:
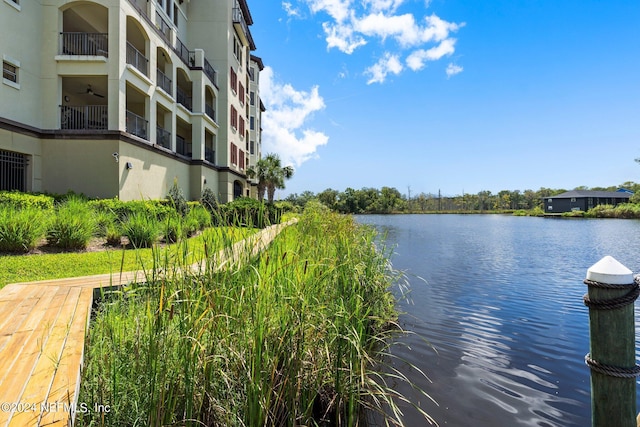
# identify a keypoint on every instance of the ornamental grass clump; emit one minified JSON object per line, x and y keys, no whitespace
{"x":21,"y":228}
{"x":291,"y":338}
{"x":73,"y":225}
{"x":141,"y":230}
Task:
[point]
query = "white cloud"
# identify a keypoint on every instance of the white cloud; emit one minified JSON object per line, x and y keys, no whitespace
{"x":416,"y":60}
{"x":387,"y":64}
{"x":290,"y":9}
{"x":453,"y":69}
{"x":284,"y":120}
{"x":356,"y":23}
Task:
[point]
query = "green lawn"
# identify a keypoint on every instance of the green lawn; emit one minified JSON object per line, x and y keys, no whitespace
{"x":26,"y":268}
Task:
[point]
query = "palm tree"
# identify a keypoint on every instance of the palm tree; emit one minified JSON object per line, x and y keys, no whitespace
{"x":271,"y":175}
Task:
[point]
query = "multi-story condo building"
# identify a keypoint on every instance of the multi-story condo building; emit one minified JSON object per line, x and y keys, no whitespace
{"x":255,"y":110}
{"x":125,"y":97}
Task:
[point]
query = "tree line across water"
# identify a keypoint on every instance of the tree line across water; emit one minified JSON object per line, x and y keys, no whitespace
{"x":391,"y":200}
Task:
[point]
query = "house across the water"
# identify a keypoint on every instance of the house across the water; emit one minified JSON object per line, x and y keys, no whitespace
{"x":583,"y":200}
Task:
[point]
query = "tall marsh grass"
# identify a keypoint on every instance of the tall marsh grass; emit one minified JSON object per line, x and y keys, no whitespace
{"x":289,"y":339}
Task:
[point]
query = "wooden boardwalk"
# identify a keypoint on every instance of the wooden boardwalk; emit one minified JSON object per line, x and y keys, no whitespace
{"x":43,"y":326}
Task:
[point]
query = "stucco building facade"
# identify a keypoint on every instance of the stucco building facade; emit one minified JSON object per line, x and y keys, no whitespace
{"x":124,"y":97}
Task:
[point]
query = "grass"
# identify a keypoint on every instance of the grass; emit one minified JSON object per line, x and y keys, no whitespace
{"x":25,"y":268}
{"x":290,"y":339}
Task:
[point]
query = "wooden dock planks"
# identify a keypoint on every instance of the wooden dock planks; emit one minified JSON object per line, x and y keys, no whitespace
{"x":43,"y":326}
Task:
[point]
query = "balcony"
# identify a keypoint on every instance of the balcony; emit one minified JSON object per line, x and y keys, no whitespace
{"x":210,"y":111}
{"x":163,"y":137}
{"x":185,"y":99}
{"x":240,"y":21}
{"x":183,"y":147}
{"x":164,"y":82}
{"x":210,"y":72}
{"x":83,"y":117}
{"x":91,"y":44}
{"x":163,"y":28}
{"x":137,"y":125}
{"x":187,"y":56}
{"x":209,"y":155}
{"x":137,"y":59}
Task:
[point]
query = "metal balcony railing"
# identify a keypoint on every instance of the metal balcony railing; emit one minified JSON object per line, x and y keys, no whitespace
{"x":210,"y":72}
{"x":163,"y":28}
{"x":238,"y":18}
{"x":163,"y":137}
{"x":164,"y":82}
{"x":187,"y":56}
{"x":83,"y":117}
{"x":209,"y":155}
{"x":183,"y":147}
{"x":92,"y":44}
{"x":210,"y":111}
{"x":184,"y":98}
{"x":137,"y":125}
{"x":137,"y":59}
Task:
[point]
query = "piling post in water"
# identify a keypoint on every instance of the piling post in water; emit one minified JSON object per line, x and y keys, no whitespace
{"x":612,"y":292}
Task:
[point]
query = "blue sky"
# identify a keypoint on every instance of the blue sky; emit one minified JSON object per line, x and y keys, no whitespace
{"x":451,"y":95}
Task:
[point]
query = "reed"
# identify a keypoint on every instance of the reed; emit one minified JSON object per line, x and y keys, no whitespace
{"x":291,"y":338}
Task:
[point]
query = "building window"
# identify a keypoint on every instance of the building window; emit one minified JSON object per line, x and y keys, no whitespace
{"x":237,"y":49}
{"x":13,"y":171}
{"x":242,"y":165}
{"x":252,"y":146}
{"x":252,"y":98}
{"x":241,"y":93}
{"x":252,"y":74}
{"x":252,"y":123}
{"x":9,"y":72}
{"x":241,"y":127}
{"x":233,"y":79}
{"x":234,"y":154}
{"x":234,"y":117}
{"x":175,"y":15}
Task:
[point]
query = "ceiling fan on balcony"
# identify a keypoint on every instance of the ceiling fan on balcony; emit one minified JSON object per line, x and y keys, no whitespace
{"x":90,"y":91}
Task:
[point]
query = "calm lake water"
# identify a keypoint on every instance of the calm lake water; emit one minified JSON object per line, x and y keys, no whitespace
{"x":497,"y":302}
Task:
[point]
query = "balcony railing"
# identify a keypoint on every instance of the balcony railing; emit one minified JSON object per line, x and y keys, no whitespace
{"x":210,"y":72}
{"x":209,"y":155}
{"x":92,"y":44}
{"x":187,"y":56}
{"x":164,"y":82}
{"x":208,"y":109}
{"x":163,"y":137}
{"x":183,"y":147}
{"x":83,"y":117}
{"x":163,"y":28}
{"x":137,"y":125}
{"x":137,"y":59}
{"x":238,"y":18}
{"x":184,"y":98}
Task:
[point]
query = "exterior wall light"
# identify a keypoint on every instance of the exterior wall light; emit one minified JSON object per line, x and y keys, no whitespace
{"x":129,"y":165}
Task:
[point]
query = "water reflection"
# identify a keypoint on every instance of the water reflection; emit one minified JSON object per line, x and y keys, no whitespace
{"x":498,"y":300}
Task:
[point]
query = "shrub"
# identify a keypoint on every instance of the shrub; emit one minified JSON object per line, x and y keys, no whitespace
{"x":209,"y":200}
{"x":24,"y":200}
{"x":141,"y":230}
{"x":113,"y":234}
{"x":73,"y":225}
{"x":173,"y":229}
{"x":20,"y":229}
{"x":177,"y":200}
{"x":200,"y":215}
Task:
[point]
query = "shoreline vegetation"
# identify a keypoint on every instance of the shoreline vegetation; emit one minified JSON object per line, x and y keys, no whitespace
{"x":389,"y":200}
{"x":296,"y":337}
{"x":301,"y":335}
